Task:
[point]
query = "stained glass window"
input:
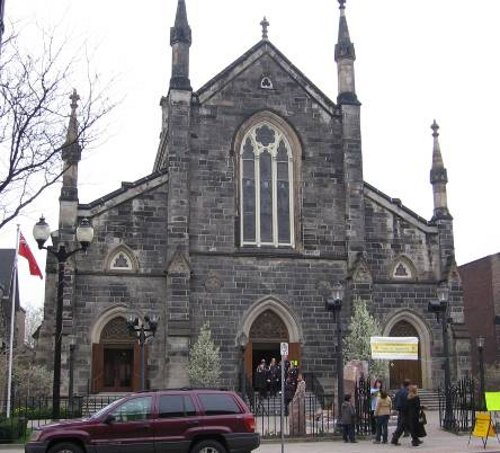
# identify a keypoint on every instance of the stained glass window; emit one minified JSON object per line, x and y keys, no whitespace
{"x":266,"y":164}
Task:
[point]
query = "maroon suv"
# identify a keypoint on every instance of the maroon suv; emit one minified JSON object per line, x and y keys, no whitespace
{"x":190,"y":421}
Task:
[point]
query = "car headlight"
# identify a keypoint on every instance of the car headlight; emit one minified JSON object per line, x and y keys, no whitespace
{"x":35,"y":435}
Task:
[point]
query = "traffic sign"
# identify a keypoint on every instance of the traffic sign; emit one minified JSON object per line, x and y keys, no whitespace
{"x":284,"y":349}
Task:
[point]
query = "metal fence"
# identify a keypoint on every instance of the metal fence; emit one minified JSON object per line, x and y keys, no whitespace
{"x":317,"y":413}
{"x":464,"y":405}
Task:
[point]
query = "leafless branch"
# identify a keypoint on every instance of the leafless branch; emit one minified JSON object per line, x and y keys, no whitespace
{"x":34,"y":112}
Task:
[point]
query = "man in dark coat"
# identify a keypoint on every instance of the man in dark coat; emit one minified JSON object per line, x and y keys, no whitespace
{"x":401,"y":405}
{"x":260,"y":380}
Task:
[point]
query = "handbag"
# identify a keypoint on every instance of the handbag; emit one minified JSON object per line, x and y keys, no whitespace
{"x":422,"y":419}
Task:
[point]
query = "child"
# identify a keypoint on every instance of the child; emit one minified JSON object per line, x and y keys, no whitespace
{"x":348,"y":418}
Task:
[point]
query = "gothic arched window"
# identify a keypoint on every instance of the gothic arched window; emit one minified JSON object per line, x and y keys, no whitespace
{"x":266,"y":187}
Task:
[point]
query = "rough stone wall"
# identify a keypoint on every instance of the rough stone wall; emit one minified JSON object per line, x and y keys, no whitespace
{"x":243,"y":280}
{"x":213,"y":160}
{"x":139,"y":223}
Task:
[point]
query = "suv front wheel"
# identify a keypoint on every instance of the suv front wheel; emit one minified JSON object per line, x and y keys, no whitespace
{"x":65,"y":447}
{"x":208,"y":446}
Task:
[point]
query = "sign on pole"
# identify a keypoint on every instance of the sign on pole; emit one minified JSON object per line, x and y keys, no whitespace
{"x":284,"y":349}
{"x":284,"y":353}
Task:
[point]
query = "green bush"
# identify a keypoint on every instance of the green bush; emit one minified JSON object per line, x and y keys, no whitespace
{"x":45,"y":412}
{"x":12,"y":429}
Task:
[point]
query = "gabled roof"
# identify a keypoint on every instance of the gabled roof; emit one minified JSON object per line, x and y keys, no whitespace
{"x":264,"y":47}
{"x":396,"y":207}
{"x":127,"y":191}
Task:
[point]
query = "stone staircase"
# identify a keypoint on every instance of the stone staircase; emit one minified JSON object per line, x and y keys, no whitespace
{"x":429,"y":399}
{"x":94,"y":403}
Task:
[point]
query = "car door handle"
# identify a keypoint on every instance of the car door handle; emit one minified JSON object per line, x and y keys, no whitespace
{"x":193,"y":422}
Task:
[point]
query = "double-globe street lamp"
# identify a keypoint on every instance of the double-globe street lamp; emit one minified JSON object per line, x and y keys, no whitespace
{"x":480,"y":349}
{"x":143,"y":330}
{"x":441,"y":309}
{"x":84,"y":235}
{"x":334,"y":304}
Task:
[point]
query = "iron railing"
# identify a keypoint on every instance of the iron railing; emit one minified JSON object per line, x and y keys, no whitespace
{"x":317,"y":412}
{"x":464,"y":405}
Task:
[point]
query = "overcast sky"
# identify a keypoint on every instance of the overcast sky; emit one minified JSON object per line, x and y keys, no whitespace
{"x":416,"y":60}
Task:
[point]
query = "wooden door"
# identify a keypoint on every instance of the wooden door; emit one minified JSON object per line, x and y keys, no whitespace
{"x":248,"y":363}
{"x":294,"y":353}
{"x":97,"y":367}
{"x":405,"y":369}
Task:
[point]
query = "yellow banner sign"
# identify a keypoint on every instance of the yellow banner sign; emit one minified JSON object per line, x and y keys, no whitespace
{"x":483,"y":426}
{"x":492,"y":401}
{"x":394,"y":348}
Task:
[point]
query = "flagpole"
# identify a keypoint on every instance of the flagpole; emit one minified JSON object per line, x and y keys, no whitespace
{"x":12,"y":324}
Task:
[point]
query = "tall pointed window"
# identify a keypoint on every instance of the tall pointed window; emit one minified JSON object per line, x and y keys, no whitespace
{"x":266,"y":191}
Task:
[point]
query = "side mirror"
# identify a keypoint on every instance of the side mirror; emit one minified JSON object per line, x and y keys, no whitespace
{"x":110,"y":418}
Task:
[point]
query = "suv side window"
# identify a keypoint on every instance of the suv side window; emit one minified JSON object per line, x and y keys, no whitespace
{"x":172,"y":406}
{"x":218,"y":404}
{"x":134,"y":409}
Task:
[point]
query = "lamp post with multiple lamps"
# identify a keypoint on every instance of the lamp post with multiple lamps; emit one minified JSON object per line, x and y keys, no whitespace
{"x":480,"y":349}
{"x":334,"y":304}
{"x":441,"y":309}
{"x":84,"y":235}
{"x":143,"y":330}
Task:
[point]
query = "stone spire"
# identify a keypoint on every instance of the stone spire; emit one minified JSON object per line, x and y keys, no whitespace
{"x":438,"y":178}
{"x":71,"y":154}
{"x":345,"y":56}
{"x":72,"y":133}
{"x":180,"y":41}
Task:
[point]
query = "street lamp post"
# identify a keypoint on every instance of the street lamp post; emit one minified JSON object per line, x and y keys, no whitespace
{"x":84,"y":235}
{"x":144,"y":330}
{"x":440,"y":309}
{"x":480,"y":349}
{"x":72,"y":345}
{"x":334,"y":304}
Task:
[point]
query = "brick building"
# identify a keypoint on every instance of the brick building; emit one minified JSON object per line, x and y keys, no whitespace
{"x":481,"y":287}
{"x":255,"y":208}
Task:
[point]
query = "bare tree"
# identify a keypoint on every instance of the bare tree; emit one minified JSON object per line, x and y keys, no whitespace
{"x":34,"y":109}
{"x":33,"y":320}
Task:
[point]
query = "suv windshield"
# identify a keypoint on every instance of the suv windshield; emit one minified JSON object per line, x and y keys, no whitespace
{"x":106,"y":408}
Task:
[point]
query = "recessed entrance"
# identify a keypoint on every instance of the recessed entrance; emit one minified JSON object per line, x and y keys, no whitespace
{"x":116,"y":359}
{"x":266,"y":333}
{"x":118,"y":368}
{"x":405,"y":369}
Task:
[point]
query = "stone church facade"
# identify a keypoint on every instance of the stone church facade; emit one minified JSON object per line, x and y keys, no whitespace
{"x":255,"y":208}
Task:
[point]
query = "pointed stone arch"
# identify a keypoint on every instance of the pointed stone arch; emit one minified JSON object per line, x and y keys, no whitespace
{"x":424,"y":334}
{"x":402,"y":268}
{"x":118,"y":311}
{"x":121,"y":259}
{"x":279,"y":308}
{"x":293,"y":184}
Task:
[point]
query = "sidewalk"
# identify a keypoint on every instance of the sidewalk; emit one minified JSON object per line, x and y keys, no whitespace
{"x":437,"y":441}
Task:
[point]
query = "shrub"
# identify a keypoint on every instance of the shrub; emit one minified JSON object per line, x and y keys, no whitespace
{"x":12,"y":429}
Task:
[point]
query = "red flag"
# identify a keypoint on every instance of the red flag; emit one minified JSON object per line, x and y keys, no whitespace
{"x":25,"y":251}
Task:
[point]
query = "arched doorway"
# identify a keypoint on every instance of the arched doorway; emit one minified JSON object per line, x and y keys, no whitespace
{"x":267,"y":331}
{"x":405,"y":369}
{"x":115,"y":359}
